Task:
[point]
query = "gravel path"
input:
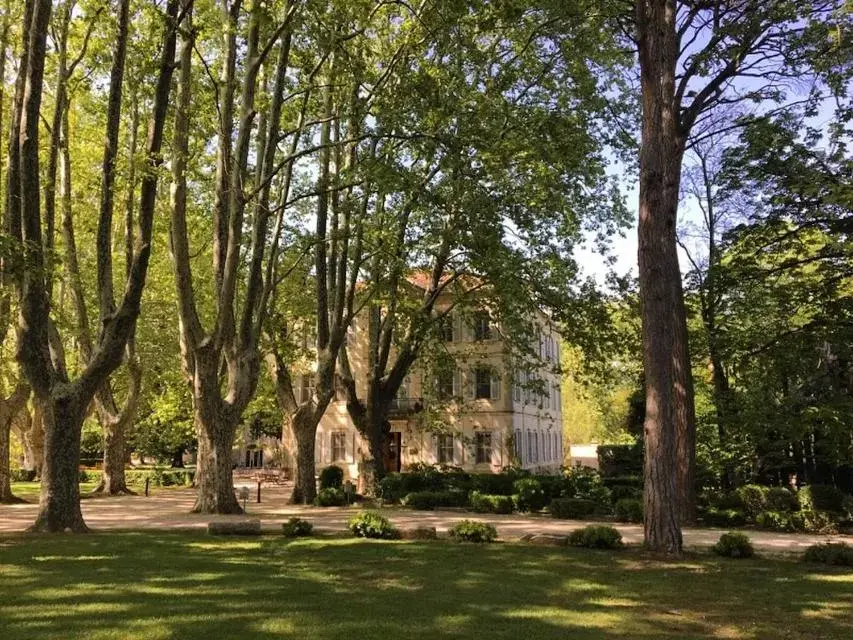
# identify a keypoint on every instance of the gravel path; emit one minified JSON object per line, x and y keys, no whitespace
{"x":169,"y":509}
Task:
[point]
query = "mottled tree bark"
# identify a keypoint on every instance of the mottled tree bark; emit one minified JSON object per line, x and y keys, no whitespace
{"x":64,"y":401}
{"x":661,"y":152}
{"x":9,"y":408}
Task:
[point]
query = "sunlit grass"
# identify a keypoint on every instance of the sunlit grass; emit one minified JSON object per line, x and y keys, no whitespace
{"x":187,"y":586}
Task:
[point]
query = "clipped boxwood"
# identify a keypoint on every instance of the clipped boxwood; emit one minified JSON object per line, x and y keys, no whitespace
{"x":529,"y":495}
{"x":820,"y":497}
{"x":753,"y":498}
{"x":485,"y":503}
{"x":782,"y":499}
{"x":473,"y":531}
{"x":493,"y":484}
{"x":428,"y":500}
{"x":774,"y":521}
{"x":714,"y":517}
{"x":831,"y":553}
{"x":596,"y":537}
{"x":332,"y":477}
{"x":297,"y":528}
{"x":330,"y":497}
{"x":571,"y":508}
{"x":369,"y":524}
{"x":814,"y":522}
{"x":624,"y":492}
{"x":629,"y":510}
{"x":734,"y":544}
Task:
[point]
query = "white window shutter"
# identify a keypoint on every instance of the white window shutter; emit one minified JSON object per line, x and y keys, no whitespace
{"x":457,"y":383}
{"x":496,"y":386}
{"x":470,"y":378}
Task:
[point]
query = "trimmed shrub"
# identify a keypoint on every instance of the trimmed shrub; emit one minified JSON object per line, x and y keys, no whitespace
{"x":774,"y":520}
{"x":753,"y":498}
{"x":832,"y":553}
{"x":596,"y":537}
{"x":622,"y":481}
{"x":820,"y":497}
{"x":485,"y":503}
{"x":553,"y":486}
{"x":724,"y":518}
{"x":369,"y":524}
{"x":428,"y":500}
{"x":332,"y":477}
{"x":814,"y":522}
{"x":621,"y":459}
{"x":629,"y":510}
{"x":160,"y":477}
{"x":473,"y":531}
{"x":571,"y":508}
{"x":494,"y":484}
{"x":529,"y":495}
{"x":330,"y":498}
{"x":734,"y":544}
{"x":781,"y":499}
{"x":624,"y":492}
{"x":22,"y":475}
{"x":297,"y":528}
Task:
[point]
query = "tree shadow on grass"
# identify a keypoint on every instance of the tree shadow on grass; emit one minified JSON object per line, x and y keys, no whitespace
{"x":188,"y":586}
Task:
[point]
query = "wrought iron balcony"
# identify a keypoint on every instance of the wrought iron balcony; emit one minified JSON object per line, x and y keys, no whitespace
{"x":405,"y":406}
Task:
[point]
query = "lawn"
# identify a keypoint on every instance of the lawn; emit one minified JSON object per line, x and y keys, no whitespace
{"x":187,"y":585}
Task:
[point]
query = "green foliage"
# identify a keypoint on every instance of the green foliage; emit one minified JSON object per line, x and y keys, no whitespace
{"x":596,"y":537}
{"x":724,"y":518}
{"x":820,"y":497}
{"x":485,"y":503}
{"x":369,"y":524}
{"x":22,"y":475}
{"x":623,"y":492}
{"x":160,"y":477}
{"x":473,"y":531}
{"x":297,"y":528}
{"x":628,"y":510}
{"x":620,"y":460}
{"x":529,"y":495}
{"x":572,"y":508}
{"x":330,"y":497}
{"x":586,"y":483}
{"x":493,"y":483}
{"x":752,"y":498}
{"x":781,"y":499}
{"x":734,"y":545}
{"x":332,"y":477}
{"x":775,"y":521}
{"x":831,"y":553}
{"x":428,"y":500}
{"x":814,"y":521}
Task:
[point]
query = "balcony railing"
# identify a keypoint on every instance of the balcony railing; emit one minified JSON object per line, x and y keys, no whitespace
{"x":406,"y":405}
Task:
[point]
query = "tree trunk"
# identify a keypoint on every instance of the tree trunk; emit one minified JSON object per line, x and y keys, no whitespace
{"x":9,"y":409}
{"x":685,"y":415}
{"x":214,"y":480}
{"x":660,"y":279}
{"x":113,"y":480}
{"x":305,"y":436}
{"x":59,"y":503}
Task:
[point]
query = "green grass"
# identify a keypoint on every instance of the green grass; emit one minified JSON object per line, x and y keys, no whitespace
{"x":187,"y":585}
{"x":29,"y":491}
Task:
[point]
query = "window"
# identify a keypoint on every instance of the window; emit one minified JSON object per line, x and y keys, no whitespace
{"x":445,"y":328}
{"x":531,"y":449}
{"x":518,"y":445}
{"x":339,"y":445}
{"x":482,"y":326}
{"x":445,"y":386}
{"x":445,"y":449}
{"x":482,"y":383}
{"x":305,"y":390}
{"x":484,"y":447}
